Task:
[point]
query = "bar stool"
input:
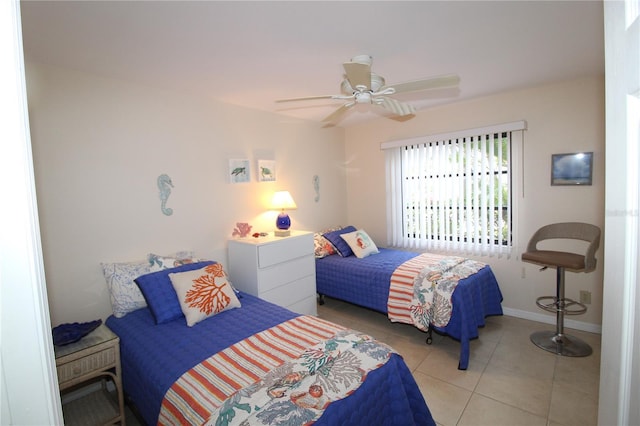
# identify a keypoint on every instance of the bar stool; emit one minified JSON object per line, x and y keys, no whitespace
{"x":558,"y":342}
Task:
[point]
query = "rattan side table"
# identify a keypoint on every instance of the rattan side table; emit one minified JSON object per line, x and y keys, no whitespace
{"x":95,"y":357}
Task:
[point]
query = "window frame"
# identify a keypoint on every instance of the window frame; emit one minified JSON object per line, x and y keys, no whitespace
{"x":396,"y":236}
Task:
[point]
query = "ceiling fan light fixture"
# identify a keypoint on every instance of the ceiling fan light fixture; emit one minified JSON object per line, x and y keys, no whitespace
{"x":363,"y":98}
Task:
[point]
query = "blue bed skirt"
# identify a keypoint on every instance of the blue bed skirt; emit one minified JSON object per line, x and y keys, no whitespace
{"x":154,"y":356}
{"x":365,"y":282}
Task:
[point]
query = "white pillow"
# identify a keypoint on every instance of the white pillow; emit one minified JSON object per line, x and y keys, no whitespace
{"x":360,"y":242}
{"x":125,"y":295}
{"x":203,"y":293}
{"x":124,"y":292}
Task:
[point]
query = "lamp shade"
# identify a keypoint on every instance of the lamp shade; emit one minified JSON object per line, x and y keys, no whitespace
{"x":282,"y":200}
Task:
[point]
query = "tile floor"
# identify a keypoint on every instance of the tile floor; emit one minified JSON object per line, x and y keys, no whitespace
{"x":509,"y":381}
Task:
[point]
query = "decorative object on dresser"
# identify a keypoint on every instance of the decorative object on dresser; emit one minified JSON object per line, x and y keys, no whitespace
{"x":279,"y":270}
{"x":282,"y":200}
{"x":241,"y":230}
{"x":93,"y":357}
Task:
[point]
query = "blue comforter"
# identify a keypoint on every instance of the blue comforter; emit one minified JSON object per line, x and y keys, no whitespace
{"x":154,"y":356}
{"x":366,"y":282}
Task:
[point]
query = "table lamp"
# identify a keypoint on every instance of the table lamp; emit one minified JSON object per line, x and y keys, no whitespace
{"x":282,"y":200}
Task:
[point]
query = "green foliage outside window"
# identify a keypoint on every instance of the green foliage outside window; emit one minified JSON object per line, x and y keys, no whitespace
{"x":472,"y":197}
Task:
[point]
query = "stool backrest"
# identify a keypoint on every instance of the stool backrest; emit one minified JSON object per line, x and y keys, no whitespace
{"x":574,"y":231}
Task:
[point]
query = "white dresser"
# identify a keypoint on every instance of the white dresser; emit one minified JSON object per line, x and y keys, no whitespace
{"x":281,"y":270}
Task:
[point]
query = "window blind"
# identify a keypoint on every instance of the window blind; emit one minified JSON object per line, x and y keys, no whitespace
{"x":452,"y":192}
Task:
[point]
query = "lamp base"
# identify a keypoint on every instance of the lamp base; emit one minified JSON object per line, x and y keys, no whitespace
{"x":283,"y":221}
{"x":282,"y":233}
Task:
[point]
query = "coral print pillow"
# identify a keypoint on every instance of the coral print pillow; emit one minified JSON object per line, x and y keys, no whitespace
{"x":203,"y":293}
{"x":323,"y":247}
{"x":360,"y":242}
{"x":159,"y":263}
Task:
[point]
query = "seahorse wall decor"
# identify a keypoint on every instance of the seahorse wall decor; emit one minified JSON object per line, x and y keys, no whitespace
{"x":316,"y":187}
{"x":165,"y":185}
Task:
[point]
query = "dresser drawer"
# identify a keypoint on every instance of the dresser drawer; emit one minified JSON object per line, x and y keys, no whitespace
{"x":308,"y":306}
{"x":284,"y":250}
{"x":87,"y":364}
{"x":292,"y":292}
{"x":284,"y":273}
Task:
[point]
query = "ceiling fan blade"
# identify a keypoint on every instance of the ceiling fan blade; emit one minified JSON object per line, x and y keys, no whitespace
{"x":308,"y":98}
{"x":335,"y":115}
{"x":358,"y":74}
{"x":398,"y":108}
{"x":449,"y":80}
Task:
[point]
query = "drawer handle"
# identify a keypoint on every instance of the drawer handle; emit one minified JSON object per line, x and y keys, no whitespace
{"x":77,"y":370}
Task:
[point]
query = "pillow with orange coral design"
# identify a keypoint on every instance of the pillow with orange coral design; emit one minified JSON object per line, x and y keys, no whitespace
{"x":203,"y":293}
{"x":322,"y":246}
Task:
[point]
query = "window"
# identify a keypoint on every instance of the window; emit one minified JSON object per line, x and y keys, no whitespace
{"x":453,"y":192}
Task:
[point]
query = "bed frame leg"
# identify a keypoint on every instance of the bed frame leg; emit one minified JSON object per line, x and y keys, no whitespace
{"x":321,"y":299}
{"x":429,"y":336}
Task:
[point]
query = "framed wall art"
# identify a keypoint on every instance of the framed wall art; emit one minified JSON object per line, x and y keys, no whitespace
{"x":572,"y":169}
{"x":266,"y":171}
{"x":239,"y":171}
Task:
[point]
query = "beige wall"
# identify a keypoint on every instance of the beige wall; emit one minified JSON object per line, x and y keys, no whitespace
{"x":563,"y":117}
{"x":99,"y":146}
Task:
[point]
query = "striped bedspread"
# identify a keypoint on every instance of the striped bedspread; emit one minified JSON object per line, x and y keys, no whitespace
{"x":421,"y":288}
{"x":290,"y":371}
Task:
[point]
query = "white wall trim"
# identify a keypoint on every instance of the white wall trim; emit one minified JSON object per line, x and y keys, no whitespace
{"x":29,"y":395}
{"x":546,"y":319}
{"x":619,"y":369}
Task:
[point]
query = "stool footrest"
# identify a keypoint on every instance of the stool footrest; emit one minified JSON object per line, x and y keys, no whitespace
{"x":568,"y":306}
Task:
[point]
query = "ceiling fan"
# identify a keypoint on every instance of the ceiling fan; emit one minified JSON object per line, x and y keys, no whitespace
{"x":361,"y":86}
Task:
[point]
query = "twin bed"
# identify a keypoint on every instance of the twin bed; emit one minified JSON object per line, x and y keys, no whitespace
{"x":367,"y":280}
{"x":258,"y":364}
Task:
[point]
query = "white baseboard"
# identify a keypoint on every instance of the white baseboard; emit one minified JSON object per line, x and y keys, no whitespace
{"x":568,"y":323}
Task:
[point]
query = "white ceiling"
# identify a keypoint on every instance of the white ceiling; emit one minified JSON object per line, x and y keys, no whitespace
{"x":252,"y":53}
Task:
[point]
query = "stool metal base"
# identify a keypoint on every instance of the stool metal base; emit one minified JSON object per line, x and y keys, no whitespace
{"x":561,"y":344}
